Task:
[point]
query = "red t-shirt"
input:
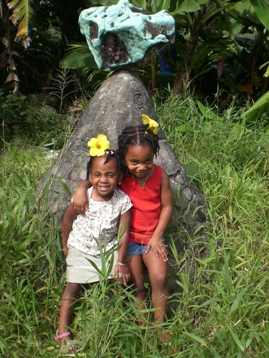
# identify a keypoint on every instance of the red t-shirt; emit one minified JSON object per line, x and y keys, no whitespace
{"x":146,"y":208}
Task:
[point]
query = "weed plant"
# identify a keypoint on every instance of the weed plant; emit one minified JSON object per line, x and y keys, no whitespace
{"x":222,"y":308}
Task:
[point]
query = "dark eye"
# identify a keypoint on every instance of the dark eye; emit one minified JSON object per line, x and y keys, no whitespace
{"x":148,"y":161}
{"x":134,"y":162}
{"x":96,"y":174}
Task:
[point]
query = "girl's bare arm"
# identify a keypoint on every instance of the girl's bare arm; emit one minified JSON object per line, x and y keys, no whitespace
{"x":123,"y":235}
{"x":69,"y":216}
{"x":155,"y":242}
{"x":80,"y":199}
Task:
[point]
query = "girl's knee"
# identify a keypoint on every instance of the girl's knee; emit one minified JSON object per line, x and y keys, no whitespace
{"x":159,"y":280}
{"x":160,"y":275}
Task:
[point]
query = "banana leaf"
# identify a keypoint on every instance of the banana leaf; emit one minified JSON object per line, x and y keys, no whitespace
{"x":257,"y":110}
{"x":262,"y":10}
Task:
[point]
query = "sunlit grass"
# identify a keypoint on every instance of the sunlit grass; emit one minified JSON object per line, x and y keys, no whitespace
{"x":222,"y":305}
{"x":226,"y":298}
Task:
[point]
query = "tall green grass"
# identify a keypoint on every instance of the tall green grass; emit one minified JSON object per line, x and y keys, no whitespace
{"x":226,"y":298}
{"x":30,"y":254}
{"x":222,"y":307}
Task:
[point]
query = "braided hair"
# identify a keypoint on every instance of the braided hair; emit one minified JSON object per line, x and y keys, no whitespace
{"x":109,"y":154}
{"x":137,"y":135}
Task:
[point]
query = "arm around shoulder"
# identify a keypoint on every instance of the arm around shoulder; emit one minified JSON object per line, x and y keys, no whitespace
{"x":67,"y":222}
{"x":80,"y":199}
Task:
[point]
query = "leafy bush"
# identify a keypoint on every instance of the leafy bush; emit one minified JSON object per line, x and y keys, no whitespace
{"x":19,"y":119}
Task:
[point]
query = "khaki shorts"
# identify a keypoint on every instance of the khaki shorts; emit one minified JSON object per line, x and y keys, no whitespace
{"x":80,"y":270}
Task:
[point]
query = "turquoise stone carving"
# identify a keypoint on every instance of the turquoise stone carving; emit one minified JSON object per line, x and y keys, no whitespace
{"x":122,"y":35}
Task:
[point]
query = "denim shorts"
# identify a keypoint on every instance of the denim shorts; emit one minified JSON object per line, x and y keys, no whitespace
{"x":135,"y":249}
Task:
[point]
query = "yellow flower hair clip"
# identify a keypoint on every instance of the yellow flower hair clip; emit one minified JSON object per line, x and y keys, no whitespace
{"x":152,"y":125}
{"x":98,"y":146}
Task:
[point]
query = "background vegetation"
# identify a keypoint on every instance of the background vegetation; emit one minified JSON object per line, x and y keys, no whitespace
{"x":220,"y":54}
{"x":211,"y":95}
{"x":222,"y":307}
{"x":221,"y":47}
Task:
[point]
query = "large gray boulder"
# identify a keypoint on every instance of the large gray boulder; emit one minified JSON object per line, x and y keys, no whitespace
{"x":119,"y":102}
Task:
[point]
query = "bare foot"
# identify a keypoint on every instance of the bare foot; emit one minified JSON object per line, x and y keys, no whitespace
{"x":165,"y":338}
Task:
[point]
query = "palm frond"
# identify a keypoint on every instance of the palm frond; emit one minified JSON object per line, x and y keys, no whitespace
{"x":23,"y":14}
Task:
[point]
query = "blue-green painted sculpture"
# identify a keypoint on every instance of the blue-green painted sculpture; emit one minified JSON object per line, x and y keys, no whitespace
{"x":122,"y":35}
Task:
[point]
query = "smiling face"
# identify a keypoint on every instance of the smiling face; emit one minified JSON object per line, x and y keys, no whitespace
{"x":139,"y":160}
{"x":104,"y":177}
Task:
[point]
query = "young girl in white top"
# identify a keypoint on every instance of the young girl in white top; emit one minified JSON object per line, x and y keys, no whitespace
{"x":105,"y":226}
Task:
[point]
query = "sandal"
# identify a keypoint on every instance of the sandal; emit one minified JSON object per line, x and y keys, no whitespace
{"x":68,"y":348}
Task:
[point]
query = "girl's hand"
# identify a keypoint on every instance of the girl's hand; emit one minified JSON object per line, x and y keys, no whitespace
{"x":122,"y":273}
{"x":158,"y":248}
{"x":80,"y":201}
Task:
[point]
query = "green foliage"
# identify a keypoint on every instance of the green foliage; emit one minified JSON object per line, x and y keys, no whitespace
{"x":81,"y":59}
{"x":222,"y":296}
{"x":206,"y":32}
{"x":261,"y":7}
{"x":23,"y":12}
{"x":12,"y":113}
{"x":227,"y":291}
{"x":229,"y":142}
{"x":176,"y":7}
{"x":63,"y":86}
{"x":28,"y":160}
{"x":258,"y":111}
{"x":78,"y":56}
{"x":28,"y":254}
{"x":207,"y":112}
{"x":19,"y":119}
